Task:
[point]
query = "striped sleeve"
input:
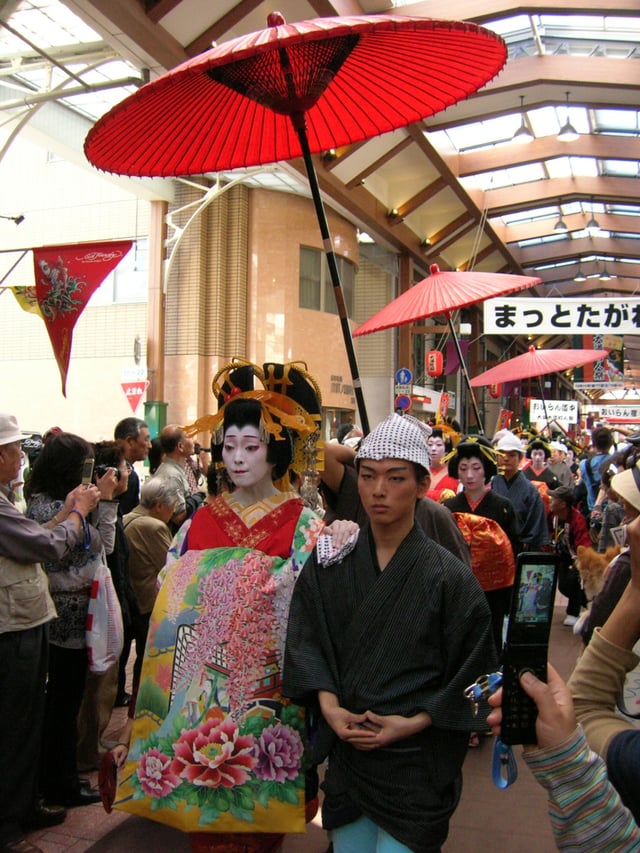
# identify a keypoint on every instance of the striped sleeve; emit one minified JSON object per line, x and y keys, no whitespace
{"x":585,"y":810}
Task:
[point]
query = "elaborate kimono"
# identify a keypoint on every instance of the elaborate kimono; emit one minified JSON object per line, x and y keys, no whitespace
{"x":214,"y":747}
{"x":398,"y":641}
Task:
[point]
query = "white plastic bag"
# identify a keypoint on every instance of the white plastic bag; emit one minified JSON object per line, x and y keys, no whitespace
{"x":105,"y":631}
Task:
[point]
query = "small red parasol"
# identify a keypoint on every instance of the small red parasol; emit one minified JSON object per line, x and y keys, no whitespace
{"x":293,"y":90}
{"x":443,"y":293}
{"x":537,"y":362}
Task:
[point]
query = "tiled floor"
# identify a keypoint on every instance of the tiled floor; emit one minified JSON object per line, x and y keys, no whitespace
{"x":488,"y":820}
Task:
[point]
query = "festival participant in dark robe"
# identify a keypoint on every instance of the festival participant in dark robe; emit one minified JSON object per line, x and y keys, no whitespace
{"x":539,"y":472}
{"x":440,"y":444}
{"x":489,"y":524}
{"x":340,"y":491}
{"x":215,"y":750}
{"x":382,"y":644}
{"x":511,"y":483}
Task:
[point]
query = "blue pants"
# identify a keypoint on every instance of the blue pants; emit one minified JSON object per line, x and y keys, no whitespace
{"x":363,"y":836}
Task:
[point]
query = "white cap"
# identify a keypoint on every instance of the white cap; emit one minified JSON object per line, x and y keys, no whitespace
{"x":508,"y":443}
{"x":397,"y":437}
{"x":558,"y":445}
{"x":9,"y":431}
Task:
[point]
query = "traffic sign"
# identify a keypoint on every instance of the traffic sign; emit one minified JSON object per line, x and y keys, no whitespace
{"x":403,"y":402}
{"x":134,"y":392}
{"x":404,"y":376}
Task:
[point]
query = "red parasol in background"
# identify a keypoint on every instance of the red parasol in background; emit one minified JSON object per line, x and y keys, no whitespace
{"x":293,"y":90}
{"x":537,"y":362}
{"x":442,"y":293}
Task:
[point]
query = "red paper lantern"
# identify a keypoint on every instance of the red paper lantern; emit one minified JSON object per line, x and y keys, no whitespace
{"x":433,"y":363}
{"x":495,"y":390}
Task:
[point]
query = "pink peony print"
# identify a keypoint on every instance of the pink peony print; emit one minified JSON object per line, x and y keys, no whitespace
{"x":214,"y":755}
{"x":155,"y":774}
{"x":279,"y":751}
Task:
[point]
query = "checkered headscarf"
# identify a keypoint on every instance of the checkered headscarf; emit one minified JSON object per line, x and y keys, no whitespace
{"x":397,"y":437}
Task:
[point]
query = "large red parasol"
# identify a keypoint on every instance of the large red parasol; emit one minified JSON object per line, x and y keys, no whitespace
{"x":291,"y":90}
{"x":537,"y":362}
{"x":443,"y":292}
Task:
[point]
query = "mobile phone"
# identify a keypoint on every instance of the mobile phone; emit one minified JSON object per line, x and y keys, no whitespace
{"x":527,"y":642}
{"x":87,"y":471}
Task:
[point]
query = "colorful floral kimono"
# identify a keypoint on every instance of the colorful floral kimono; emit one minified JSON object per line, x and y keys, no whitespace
{"x":214,"y":746}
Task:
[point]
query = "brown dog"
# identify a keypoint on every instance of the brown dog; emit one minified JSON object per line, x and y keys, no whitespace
{"x":593,"y":566}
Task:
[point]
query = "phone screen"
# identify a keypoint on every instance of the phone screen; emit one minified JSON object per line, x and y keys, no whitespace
{"x":535,"y":591}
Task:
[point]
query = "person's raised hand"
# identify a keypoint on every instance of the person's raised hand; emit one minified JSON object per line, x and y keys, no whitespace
{"x":556,"y":717}
{"x":341,"y":531}
{"x":107,"y":484}
{"x":85,"y":498}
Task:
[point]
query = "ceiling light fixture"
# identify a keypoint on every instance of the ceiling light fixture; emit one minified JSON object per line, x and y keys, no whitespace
{"x":560,"y":226}
{"x":604,"y":275}
{"x":568,"y":133}
{"x":593,"y":226}
{"x":17,"y":219}
{"x":580,"y":276}
{"x":522,"y":135}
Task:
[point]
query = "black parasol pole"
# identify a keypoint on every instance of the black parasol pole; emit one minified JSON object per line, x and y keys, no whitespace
{"x":299,"y":124}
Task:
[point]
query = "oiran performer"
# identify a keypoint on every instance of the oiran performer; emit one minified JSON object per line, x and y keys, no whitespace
{"x":215,"y":749}
{"x":383,"y":644}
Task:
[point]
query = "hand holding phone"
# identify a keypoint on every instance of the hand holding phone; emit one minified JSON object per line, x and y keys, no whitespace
{"x":87,"y":471}
{"x":527,"y":644}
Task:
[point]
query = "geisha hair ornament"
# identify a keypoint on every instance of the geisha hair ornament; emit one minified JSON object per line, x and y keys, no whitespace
{"x":482,"y":446}
{"x":290,"y":401}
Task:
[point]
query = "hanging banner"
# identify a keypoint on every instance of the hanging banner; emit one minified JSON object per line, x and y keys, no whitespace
{"x":66,"y":276}
{"x":27,"y":299}
{"x":606,"y":373}
{"x":573,"y":316}
{"x":452,"y":362}
{"x":504,"y":419}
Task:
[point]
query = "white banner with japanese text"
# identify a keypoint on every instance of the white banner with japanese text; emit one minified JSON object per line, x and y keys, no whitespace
{"x":544,"y":316}
{"x":565,"y":411}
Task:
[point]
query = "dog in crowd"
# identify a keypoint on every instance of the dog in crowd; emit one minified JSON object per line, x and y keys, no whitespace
{"x":593,"y":568}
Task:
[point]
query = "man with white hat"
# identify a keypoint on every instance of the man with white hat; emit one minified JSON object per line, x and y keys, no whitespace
{"x":558,"y":463}
{"x":26,"y":608}
{"x":511,"y":483}
{"x":383,"y":644}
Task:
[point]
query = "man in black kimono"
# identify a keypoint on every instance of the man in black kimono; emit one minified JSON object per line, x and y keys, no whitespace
{"x":383,"y":644}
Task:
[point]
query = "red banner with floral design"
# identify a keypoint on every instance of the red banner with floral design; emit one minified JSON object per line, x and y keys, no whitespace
{"x":66,"y":276}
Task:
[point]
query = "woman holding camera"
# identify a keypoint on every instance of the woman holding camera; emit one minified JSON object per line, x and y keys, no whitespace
{"x":57,"y":470}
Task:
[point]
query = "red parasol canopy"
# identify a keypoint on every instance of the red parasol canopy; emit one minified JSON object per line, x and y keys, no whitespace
{"x":442,"y":293}
{"x":537,"y":362}
{"x":291,"y":90}
{"x":351,"y":78}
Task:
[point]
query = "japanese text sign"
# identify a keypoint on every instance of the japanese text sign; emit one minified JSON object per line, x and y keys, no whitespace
{"x":544,"y":316}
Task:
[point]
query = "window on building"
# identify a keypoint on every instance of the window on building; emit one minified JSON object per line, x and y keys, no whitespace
{"x":316,"y":287}
{"x":128,"y":282}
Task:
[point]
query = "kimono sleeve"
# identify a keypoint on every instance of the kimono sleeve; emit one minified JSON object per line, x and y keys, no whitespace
{"x":309,"y":661}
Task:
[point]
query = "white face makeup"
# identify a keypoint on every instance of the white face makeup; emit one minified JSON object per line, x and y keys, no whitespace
{"x":471,"y":474}
{"x":245,"y":456}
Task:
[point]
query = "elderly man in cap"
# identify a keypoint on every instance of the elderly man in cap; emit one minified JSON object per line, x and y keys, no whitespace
{"x":511,"y":483}
{"x":569,"y":531}
{"x":26,"y":608}
{"x":558,"y":463}
{"x":382,"y":643}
